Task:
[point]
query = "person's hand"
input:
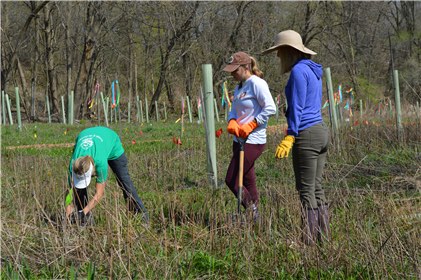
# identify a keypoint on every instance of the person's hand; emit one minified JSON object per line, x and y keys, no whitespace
{"x":284,"y":147}
{"x":73,"y":217}
{"x":85,"y":219}
{"x":69,"y":210}
{"x":80,"y":218}
{"x":233,"y":127}
{"x":247,"y":128}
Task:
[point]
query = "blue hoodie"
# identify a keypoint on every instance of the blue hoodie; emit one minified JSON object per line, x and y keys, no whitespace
{"x":304,"y":96}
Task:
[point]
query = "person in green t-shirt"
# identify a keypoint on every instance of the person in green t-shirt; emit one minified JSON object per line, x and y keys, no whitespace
{"x":95,"y":149}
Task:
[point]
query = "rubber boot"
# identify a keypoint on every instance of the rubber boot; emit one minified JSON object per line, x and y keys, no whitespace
{"x":324,"y":228}
{"x":255,"y":213}
{"x":252,"y":213}
{"x":309,"y":225}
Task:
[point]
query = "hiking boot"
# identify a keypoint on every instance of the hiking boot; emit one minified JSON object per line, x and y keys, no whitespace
{"x":252,"y":213}
{"x":256,"y":216}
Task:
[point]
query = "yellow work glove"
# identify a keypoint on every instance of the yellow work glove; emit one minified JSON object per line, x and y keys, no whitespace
{"x":233,"y":127}
{"x":247,"y":128}
{"x":284,"y":147}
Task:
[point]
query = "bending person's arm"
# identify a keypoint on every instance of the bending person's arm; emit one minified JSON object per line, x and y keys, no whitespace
{"x":100,"y":187}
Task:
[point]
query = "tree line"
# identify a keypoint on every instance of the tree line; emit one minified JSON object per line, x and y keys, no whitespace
{"x":156,"y":49}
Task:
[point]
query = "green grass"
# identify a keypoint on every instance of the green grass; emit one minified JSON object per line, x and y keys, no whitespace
{"x":191,"y":235}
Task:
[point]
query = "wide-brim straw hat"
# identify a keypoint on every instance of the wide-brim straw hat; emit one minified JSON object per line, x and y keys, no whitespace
{"x":289,"y":38}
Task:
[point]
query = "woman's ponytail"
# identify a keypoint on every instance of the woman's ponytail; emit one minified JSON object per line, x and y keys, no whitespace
{"x":255,"y":69}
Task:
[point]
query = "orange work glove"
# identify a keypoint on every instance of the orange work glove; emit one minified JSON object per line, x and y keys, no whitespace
{"x":284,"y":147}
{"x":233,"y":127}
{"x":247,"y":128}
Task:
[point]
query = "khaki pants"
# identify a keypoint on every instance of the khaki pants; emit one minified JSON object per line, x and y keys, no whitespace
{"x":309,"y":158}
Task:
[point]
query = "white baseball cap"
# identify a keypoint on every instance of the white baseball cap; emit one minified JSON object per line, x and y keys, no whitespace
{"x":83,"y":180}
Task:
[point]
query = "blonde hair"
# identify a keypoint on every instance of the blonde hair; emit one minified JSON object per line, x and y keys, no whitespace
{"x":289,"y":56}
{"x":255,"y":69}
{"x":81,"y":165}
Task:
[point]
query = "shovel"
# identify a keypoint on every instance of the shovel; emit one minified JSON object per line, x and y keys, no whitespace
{"x":240,"y":173}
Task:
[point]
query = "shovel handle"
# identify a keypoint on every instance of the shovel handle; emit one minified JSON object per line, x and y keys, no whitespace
{"x":241,"y":170}
{"x":241,"y":174}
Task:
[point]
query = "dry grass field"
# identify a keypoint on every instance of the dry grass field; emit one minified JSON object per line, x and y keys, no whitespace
{"x":373,"y":182}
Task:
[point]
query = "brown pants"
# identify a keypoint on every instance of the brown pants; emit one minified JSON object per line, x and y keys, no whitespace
{"x":251,"y":153}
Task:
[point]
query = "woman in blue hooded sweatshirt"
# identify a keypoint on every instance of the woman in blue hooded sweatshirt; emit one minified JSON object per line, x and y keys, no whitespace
{"x":307,"y":135}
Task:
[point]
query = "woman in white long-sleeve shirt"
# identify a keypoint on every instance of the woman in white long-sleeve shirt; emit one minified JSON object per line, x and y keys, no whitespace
{"x":251,"y":107}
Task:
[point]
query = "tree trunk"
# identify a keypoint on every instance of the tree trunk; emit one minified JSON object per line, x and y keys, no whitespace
{"x":165,"y":61}
{"x":135,"y":74}
{"x":12,"y":59}
{"x":24,"y":94}
{"x":49,"y":57}
{"x":85,"y":74}
{"x":68,"y":55}
{"x":231,"y":45}
{"x":170,"y":95}
{"x":130,"y":81}
{"x":34,"y":67}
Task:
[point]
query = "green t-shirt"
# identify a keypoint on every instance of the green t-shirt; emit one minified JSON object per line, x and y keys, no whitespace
{"x":102,"y":144}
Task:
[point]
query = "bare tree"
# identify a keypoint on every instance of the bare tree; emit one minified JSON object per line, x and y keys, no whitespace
{"x":158,"y":47}
{"x":49,"y":34}
{"x":11,"y":60}
{"x":95,"y":20}
{"x":176,"y":32}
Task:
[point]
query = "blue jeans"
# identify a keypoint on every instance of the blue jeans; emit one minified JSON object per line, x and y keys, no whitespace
{"x":309,"y":158}
{"x":119,"y":167}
